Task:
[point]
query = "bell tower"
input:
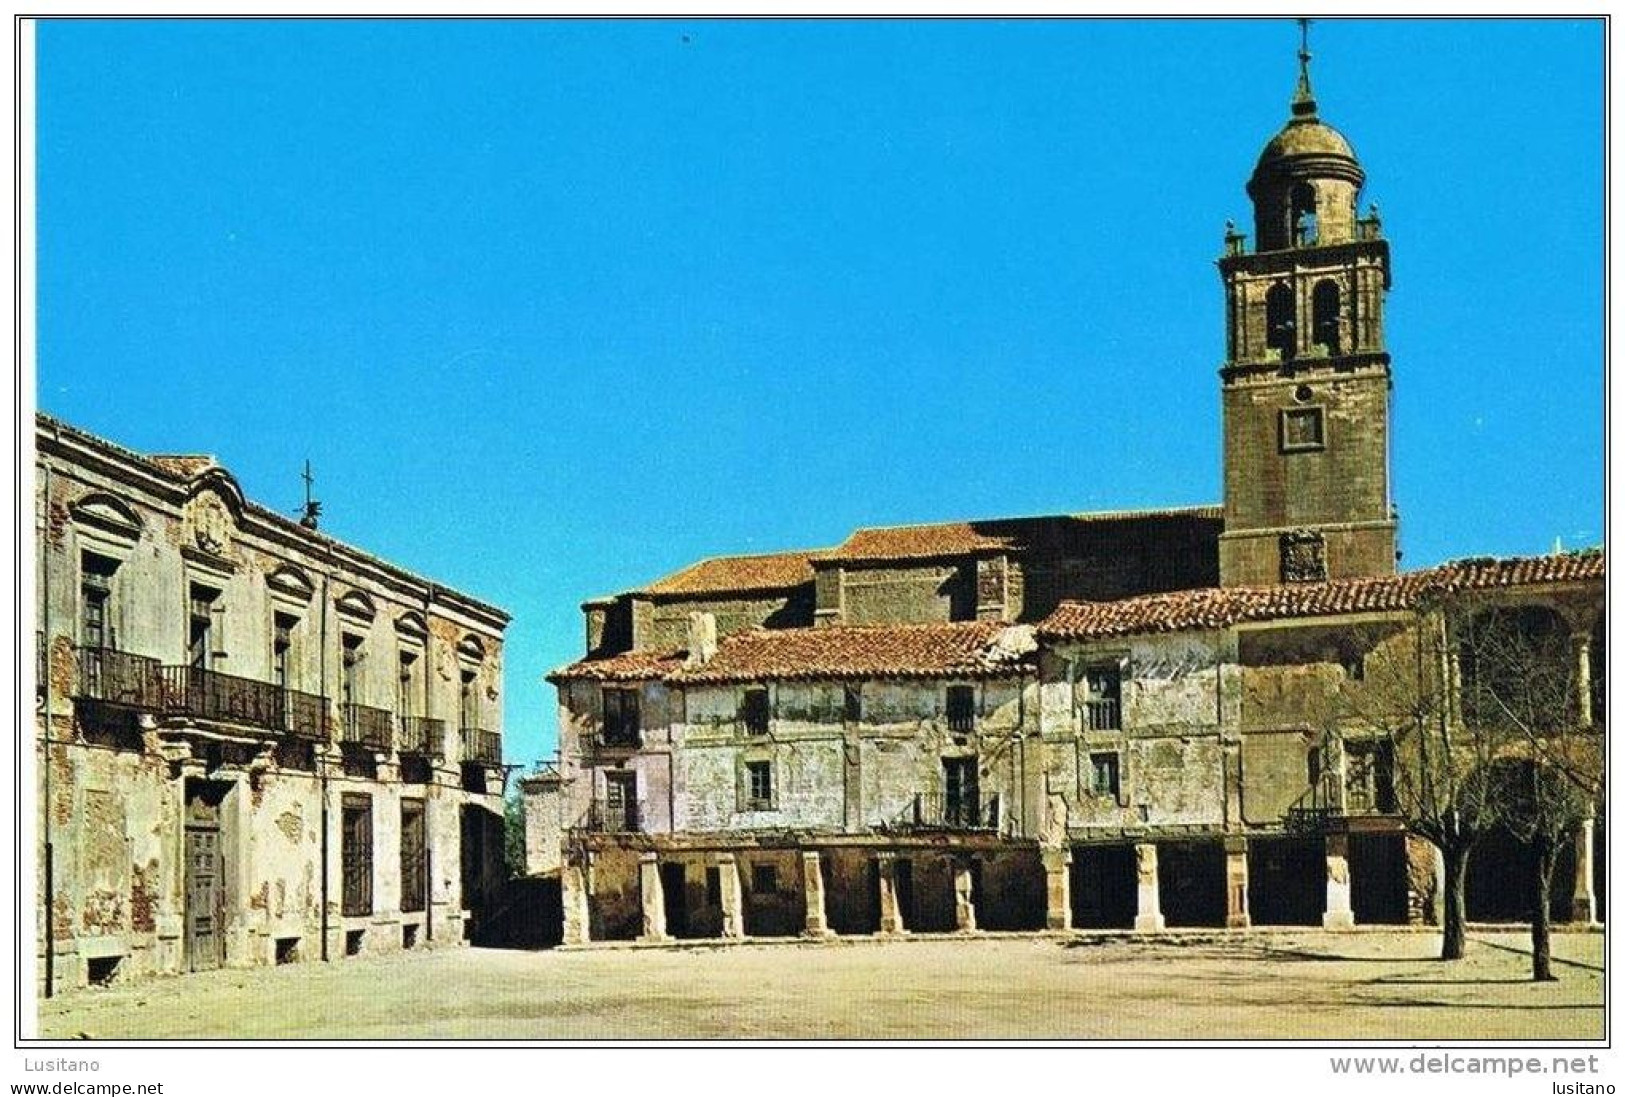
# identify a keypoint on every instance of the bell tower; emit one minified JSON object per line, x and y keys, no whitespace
{"x":1306,"y":379}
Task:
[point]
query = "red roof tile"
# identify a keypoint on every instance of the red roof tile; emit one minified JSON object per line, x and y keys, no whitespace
{"x":738,"y":574}
{"x":631,"y":666}
{"x":1219,"y":607}
{"x":997,"y":535}
{"x":967,"y":649}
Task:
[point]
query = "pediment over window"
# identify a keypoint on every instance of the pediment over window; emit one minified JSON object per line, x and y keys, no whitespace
{"x":108,"y":513}
{"x":471,"y":649}
{"x":357,"y":607}
{"x":412,"y":625}
{"x":291,"y":582}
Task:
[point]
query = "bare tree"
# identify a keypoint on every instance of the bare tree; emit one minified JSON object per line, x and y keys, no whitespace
{"x":1403,"y":692}
{"x":1521,"y":687}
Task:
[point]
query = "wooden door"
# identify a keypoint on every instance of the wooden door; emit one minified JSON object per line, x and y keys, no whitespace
{"x":204,"y":890}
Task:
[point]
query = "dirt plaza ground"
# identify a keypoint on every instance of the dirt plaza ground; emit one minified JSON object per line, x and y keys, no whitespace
{"x":1365,"y":985}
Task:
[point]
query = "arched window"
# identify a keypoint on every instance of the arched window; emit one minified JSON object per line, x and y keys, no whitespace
{"x":1305,"y":225}
{"x":1280,"y":321}
{"x":1325,"y":307}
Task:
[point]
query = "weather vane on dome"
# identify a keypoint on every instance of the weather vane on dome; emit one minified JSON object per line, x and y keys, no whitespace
{"x":1303,"y":103}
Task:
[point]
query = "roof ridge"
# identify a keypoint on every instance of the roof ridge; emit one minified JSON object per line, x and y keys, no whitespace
{"x":1128,"y":512}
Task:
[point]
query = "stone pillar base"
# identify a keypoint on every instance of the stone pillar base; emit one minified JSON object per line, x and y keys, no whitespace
{"x":1149,"y":923}
{"x":1583,"y":912}
{"x":1057,"y":888}
{"x":1337,"y":919}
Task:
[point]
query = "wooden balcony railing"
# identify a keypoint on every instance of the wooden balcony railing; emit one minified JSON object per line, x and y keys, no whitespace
{"x":304,"y":715}
{"x":117,"y":677}
{"x":613,"y":817}
{"x":373,"y":728}
{"x":1103,"y":713}
{"x":482,"y":746}
{"x":421,"y":735}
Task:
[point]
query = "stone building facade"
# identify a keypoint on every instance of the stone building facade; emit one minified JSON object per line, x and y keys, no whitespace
{"x":1126,"y":720}
{"x":255,"y":744}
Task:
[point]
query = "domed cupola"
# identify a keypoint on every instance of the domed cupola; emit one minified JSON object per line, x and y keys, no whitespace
{"x":1307,"y":180}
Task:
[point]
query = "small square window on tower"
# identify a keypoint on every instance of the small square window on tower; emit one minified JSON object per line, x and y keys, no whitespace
{"x":1302,"y":429}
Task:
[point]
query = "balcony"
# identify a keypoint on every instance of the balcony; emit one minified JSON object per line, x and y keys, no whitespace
{"x":117,"y":678}
{"x":212,"y":695}
{"x":613,"y":817}
{"x":368,"y":727}
{"x":931,"y":811}
{"x":422,"y":735}
{"x":482,"y":746}
{"x":304,"y":715}
{"x":1103,"y":714}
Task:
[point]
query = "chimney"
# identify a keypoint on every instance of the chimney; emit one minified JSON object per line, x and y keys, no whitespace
{"x":702,"y":638}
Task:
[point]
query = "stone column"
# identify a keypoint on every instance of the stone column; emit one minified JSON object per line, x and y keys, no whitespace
{"x":1339,"y":913}
{"x":1057,"y":888}
{"x":1438,"y":886}
{"x":1149,"y":919}
{"x":654,"y":898}
{"x":964,"y":898}
{"x":891,"y":917}
{"x":1237,"y":912}
{"x":577,"y":921}
{"x":1582,"y":678}
{"x":812,"y":875}
{"x":1584,"y":909}
{"x":733,"y":907}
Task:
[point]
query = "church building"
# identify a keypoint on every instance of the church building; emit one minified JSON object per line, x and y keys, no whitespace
{"x":1129,"y":720}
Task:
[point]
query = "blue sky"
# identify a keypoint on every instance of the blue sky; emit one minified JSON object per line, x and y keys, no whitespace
{"x":557,"y":307}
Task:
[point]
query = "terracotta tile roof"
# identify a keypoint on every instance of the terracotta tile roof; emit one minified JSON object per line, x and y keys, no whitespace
{"x":1219,"y":607}
{"x":968,"y":649}
{"x":999,"y":534}
{"x":738,"y":574}
{"x":631,"y":666}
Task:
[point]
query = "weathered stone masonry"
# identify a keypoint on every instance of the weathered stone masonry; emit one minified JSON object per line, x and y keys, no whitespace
{"x":256,"y":744}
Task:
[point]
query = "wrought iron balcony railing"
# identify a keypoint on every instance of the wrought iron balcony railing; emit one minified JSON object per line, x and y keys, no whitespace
{"x":215,"y":695}
{"x":366,"y":726}
{"x":117,"y":677}
{"x":931,"y":811}
{"x":421,"y":735}
{"x":482,"y":746}
{"x":613,"y":817}
{"x":1318,"y":806}
{"x":304,"y":715}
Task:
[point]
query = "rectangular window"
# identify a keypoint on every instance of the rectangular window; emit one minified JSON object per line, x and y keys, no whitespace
{"x":854,"y":704}
{"x":282,"y":626}
{"x":356,"y":854}
{"x":468,"y":702}
{"x":961,"y":806}
{"x":1302,"y":429}
{"x":621,"y":718}
{"x":764,"y":879}
{"x":961,"y":708}
{"x":1104,"y":705}
{"x":753,"y":712}
{"x":201,"y":608}
{"x":96,"y":592}
{"x":406,"y":687}
{"x":414,"y":861}
{"x":1369,"y":769}
{"x":620,"y":814}
{"x":1105,"y":779}
{"x":759,"y":786}
{"x":350,"y":669}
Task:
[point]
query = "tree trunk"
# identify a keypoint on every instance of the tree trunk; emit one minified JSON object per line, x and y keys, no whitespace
{"x":1455,"y":902}
{"x":1540,"y":924}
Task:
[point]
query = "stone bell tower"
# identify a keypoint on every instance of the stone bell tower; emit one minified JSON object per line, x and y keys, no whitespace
{"x":1306,"y":380}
